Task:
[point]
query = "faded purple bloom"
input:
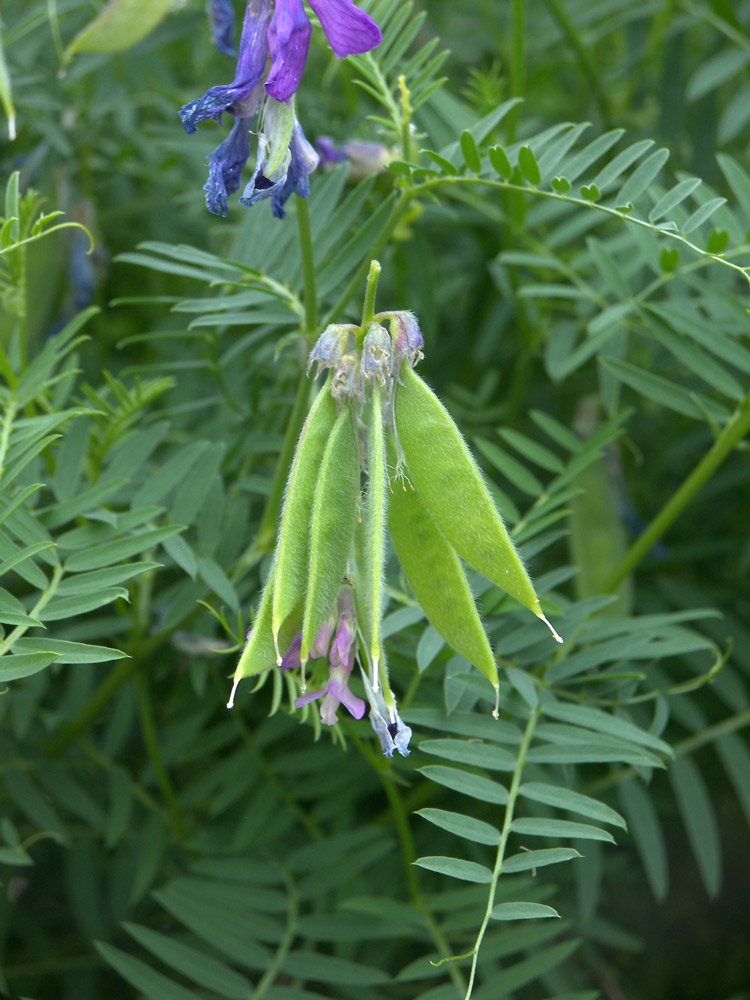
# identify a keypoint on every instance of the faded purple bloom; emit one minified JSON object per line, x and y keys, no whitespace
{"x":225,"y":166}
{"x":330,"y":346}
{"x":330,"y":153}
{"x":392,"y":732}
{"x":242,"y":96}
{"x":407,"y":338}
{"x":364,"y":158}
{"x":221,"y":19}
{"x":377,"y":355}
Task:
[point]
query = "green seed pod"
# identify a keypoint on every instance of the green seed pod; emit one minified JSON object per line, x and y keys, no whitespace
{"x":444,"y":473}
{"x":292,"y":549}
{"x":332,"y":526}
{"x":373,"y":549}
{"x":437,"y":578}
{"x":259,"y":653}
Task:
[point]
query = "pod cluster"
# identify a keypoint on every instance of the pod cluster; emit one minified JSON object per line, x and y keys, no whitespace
{"x":378,"y":454}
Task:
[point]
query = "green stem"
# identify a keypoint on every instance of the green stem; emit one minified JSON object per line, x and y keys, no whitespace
{"x":503,"y":185}
{"x":517,"y":63}
{"x":408,"y":855}
{"x":504,"y":835}
{"x":8,"y":417}
{"x":309,"y":292}
{"x":735,"y":430}
{"x":274,"y":966}
{"x":151,"y":742}
{"x":368,"y":308}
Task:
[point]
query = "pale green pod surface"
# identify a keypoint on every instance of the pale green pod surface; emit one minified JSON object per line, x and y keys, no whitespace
{"x":444,"y":473}
{"x":292,"y":548}
{"x":375,"y":522}
{"x":119,"y":25}
{"x":259,"y":653}
{"x":332,"y":527}
{"x":437,"y":578}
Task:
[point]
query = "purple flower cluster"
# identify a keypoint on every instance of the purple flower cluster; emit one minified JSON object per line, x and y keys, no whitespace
{"x":272,"y":56}
{"x":340,"y":663}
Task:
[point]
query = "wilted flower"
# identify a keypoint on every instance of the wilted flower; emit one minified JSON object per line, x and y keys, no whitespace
{"x":275,"y":34}
{"x":285,"y":160}
{"x":330,"y":347}
{"x":221,"y":19}
{"x":243,"y":95}
{"x":377,"y":355}
{"x":407,"y":338}
{"x":392,"y":732}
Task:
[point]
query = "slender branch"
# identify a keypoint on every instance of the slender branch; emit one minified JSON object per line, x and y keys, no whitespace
{"x":504,"y":835}
{"x":151,"y":742}
{"x":735,"y":430}
{"x":268,"y":977}
{"x":8,"y":417}
{"x":408,"y":854}
{"x":504,"y":185}
{"x":309,"y":293}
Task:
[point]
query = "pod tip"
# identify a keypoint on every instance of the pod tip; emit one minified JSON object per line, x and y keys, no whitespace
{"x":551,"y":627}
{"x":276,"y":648}
{"x":230,"y":703}
{"x":496,"y":709}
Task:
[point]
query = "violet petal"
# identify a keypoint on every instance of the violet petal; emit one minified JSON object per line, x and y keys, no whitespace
{"x":349,"y":30}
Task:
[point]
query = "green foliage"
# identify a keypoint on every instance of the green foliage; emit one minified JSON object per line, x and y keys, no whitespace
{"x":582,"y":290}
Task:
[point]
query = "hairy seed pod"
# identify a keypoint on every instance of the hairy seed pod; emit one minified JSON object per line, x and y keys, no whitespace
{"x":332,"y":526}
{"x":444,"y":473}
{"x":437,"y":578}
{"x":292,"y":549}
{"x":375,"y":523}
{"x":259,"y":653}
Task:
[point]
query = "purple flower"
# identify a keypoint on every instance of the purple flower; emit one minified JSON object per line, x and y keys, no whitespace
{"x":364,"y":158}
{"x":285,"y":160}
{"x":225,"y":166}
{"x":349,"y":31}
{"x":272,"y":55}
{"x":242,"y":96}
{"x":288,"y":40}
{"x":221,"y":19}
{"x":341,"y":661}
